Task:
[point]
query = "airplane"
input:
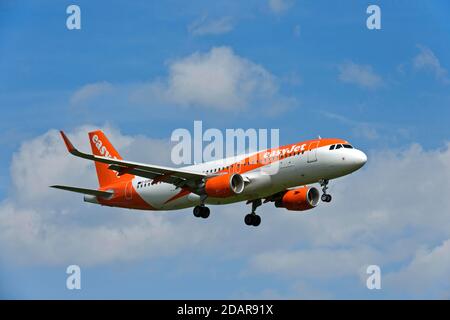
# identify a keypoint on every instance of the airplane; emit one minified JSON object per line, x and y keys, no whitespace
{"x":280,"y":175}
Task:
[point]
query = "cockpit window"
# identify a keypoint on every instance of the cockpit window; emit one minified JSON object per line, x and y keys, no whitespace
{"x":332,"y":147}
{"x":338,"y":146}
{"x":348,"y":146}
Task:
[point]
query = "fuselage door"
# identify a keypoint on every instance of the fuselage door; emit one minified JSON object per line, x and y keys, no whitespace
{"x":312,"y":151}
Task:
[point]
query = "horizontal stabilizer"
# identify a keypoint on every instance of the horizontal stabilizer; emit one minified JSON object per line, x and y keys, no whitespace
{"x":92,"y":192}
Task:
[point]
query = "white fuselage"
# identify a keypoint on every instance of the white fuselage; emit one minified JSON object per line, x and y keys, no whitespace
{"x":308,"y":167}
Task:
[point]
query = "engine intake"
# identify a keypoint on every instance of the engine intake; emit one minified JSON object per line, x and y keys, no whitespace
{"x":224,"y":186}
{"x":299,"y":199}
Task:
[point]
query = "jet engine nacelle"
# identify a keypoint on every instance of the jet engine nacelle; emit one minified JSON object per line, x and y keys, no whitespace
{"x":223,"y":186}
{"x":299,"y":199}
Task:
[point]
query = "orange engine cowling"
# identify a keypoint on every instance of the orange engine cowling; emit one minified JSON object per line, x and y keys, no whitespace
{"x":224,"y":186}
{"x":299,"y":199}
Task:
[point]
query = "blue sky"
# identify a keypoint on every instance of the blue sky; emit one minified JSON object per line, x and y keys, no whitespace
{"x":387,"y":91}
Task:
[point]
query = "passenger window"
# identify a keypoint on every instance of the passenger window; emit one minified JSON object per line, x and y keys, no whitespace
{"x":339,"y":146}
{"x":332,"y":147}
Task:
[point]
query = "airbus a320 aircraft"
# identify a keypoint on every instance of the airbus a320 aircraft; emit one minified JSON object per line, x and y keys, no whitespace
{"x":278,"y":175}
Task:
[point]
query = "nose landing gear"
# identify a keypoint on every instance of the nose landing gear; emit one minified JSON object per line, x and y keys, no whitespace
{"x":325,"y":196}
{"x":252,"y":219}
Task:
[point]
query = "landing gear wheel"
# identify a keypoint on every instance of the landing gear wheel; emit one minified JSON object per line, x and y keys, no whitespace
{"x":256,"y":220}
{"x":197,"y":211}
{"x":252,"y":219}
{"x":201,"y":212}
{"x":248,"y":219}
{"x":205,"y":212}
{"x":326,"y":198}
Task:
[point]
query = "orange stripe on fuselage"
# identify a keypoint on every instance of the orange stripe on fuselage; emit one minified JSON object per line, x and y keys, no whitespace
{"x":260,"y":159}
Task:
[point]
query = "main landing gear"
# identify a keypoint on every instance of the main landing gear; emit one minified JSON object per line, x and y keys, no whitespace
{"x":252,"y":219}
{"x":201,"y":211}
{"x":325,"y":196}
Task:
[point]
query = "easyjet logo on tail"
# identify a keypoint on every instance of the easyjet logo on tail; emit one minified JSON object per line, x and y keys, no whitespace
{"x":101,"y":148}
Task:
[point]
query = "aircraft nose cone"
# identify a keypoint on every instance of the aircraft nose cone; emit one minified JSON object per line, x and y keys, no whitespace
{"x":360,"y":158}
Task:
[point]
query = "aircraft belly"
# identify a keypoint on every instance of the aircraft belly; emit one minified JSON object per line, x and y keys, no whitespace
{"x":164,"y":196}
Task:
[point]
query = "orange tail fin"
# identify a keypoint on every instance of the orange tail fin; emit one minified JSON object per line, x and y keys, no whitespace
{"x":102,"y":147}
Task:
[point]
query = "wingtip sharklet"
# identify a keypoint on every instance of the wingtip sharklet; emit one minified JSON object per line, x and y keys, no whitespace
{"x":67,"y":142}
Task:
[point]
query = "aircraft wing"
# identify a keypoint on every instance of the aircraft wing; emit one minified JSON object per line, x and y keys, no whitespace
{"x":174,"y":176}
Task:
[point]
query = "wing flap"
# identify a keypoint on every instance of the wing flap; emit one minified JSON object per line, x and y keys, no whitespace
{"x":155,"y":176}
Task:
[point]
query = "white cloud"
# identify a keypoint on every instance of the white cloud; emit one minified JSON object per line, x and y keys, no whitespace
{"x":280,"y":6}
{"x":218,"y":79}
{"x":380,"y":215}
{"x":360,"y":129}
{"x":299,"y":264}
{"x":91,"y":91}
{"x":427,"y":60}
{"x":43,"y":225}
{"x":33,"y":235}
{"x":205,"y":26}
{"x":385,"y":214}
{"x":426,"y":274}
{"x":361,"y":75}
